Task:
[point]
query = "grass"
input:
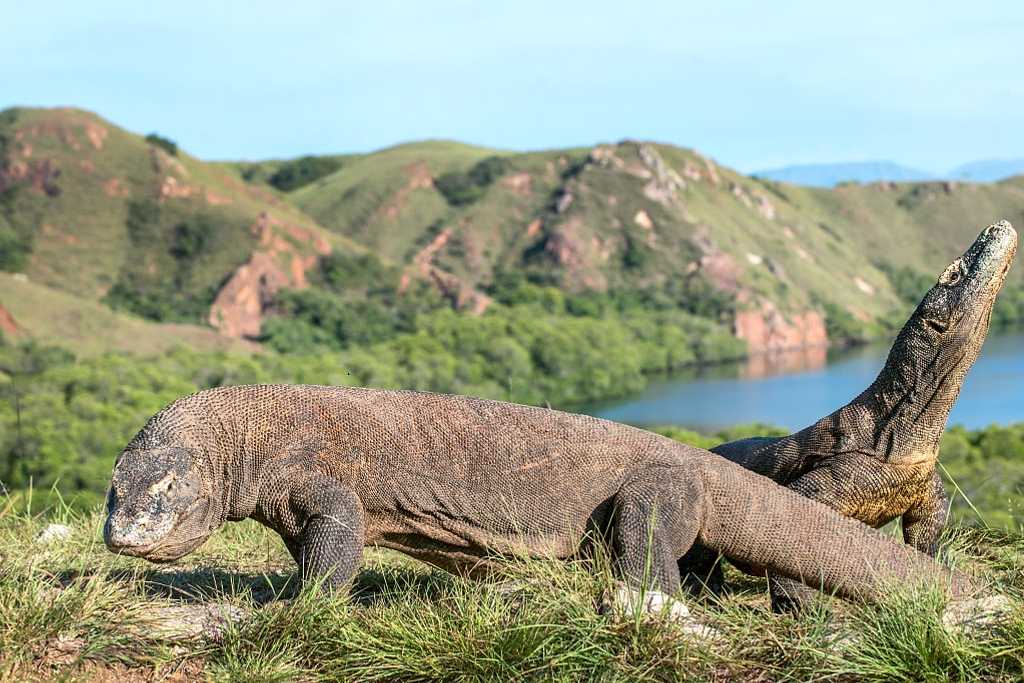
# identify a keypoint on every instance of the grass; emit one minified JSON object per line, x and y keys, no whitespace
{"x":69,"y":610}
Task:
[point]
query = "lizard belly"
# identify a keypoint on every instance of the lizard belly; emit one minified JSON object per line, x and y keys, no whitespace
{"x":904,"y":486}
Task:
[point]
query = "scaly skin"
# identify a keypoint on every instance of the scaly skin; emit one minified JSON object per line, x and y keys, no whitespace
{"x":454,"y":480}
{"x":874,"y":459}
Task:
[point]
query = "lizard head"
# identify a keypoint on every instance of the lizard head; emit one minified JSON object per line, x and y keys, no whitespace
{"x":956,"y":311}
{"x":942,"y":339}
{"x":158,"y":506}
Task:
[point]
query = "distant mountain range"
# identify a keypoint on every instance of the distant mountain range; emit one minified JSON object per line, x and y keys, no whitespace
{"x":830,"y":175}
{"x":988,"y":170}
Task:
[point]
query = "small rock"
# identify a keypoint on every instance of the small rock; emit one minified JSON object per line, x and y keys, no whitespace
{"x":189,"y":622}
{"x":627,"y":602}
{"x":54,"y":533}
{"x":864,"y":286}
{"x":564,"y":202}
{"x":973,"y":613}
{"x":643,"y":219}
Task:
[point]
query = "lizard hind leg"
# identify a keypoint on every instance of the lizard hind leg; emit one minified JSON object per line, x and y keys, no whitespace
{"x":656,"y":520}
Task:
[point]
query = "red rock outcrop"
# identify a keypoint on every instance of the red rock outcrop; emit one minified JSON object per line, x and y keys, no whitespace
{"x":240,"y":304}
{"x":461,"y":295}
{"x":519,"y":183}
{"x":767,"y":329}
{"x":8,"y":325}
{"x":41,"y":175}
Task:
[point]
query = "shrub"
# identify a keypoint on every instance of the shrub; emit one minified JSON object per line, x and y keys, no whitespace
{"x":163,"y":143}
{"x":465,"y":187}
{"x":300,"y":172}
{"x":16,"y":237}
{"x":842,"y":327}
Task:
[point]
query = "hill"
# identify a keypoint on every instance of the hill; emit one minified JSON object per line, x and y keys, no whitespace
{"x":333,"y":242}
{"x":639,"y":215}
{"x":830,"y":175}
{"x":988,"y":170}
{"x":106,"y":215}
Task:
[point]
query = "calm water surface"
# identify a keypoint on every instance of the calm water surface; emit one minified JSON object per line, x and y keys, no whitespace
{"x":794,"y":390}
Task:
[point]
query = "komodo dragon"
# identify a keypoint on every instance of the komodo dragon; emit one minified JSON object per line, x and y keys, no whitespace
{"x":874,"y":459}
{"x":454,"y":480}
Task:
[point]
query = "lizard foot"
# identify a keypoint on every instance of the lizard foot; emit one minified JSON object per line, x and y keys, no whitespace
{"x":628,"y":602}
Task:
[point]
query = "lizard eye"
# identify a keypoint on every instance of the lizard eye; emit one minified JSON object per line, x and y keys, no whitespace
{"x":953,"y":274}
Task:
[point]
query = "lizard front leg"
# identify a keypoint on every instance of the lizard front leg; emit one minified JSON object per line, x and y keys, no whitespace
{"x":322,"y":524}
{"x":923,"y":523}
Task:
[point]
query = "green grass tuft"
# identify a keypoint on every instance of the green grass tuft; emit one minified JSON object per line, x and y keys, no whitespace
{"x":70,"y":610}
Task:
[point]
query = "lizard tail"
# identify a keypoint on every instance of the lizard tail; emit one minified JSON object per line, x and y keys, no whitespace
{"x":754,"y":521}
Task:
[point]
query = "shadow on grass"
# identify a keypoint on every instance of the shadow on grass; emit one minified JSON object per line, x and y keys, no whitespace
{"x":372,"y":586}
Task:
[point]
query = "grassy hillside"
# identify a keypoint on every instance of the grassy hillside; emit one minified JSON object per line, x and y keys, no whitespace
{"x":88,"y":328}
{"x":138,"y":224}
{"x":635,"y":215}
{"x":105,"y":214}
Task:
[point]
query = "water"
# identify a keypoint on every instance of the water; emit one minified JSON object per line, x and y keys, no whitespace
{"x":795,"y":389}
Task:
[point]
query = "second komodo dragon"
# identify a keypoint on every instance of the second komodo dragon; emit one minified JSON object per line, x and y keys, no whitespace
{"x":874,"y":459}
{"x":454,"y":480}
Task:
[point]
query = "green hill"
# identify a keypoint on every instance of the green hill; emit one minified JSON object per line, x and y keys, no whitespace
{"x":104,"y":214}
{"x":139,"y":225}
{"x":89,"y":328}
{"x":638,"y":215}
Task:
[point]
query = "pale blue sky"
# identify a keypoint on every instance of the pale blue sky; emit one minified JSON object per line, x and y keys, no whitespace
{"x":754,"y":84}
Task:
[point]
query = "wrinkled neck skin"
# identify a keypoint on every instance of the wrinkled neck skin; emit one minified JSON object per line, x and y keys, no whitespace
{"x":228,"y":465}
{"x":901,"y":416}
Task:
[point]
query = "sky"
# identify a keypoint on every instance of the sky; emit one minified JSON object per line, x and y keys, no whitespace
{"x":753,"y":84}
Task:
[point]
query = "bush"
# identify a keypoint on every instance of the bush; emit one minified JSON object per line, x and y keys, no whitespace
{"x":842,"y":327}
{"x":14,"y":248}
{"x":292,"y":175}
{"x":163,"y":143}
{"x":16,"y":237}
{"x":165,"y":294}
{"x":461,"y":188}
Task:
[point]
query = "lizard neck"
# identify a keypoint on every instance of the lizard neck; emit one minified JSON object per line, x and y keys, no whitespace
{"x":901,"y":416}
{"x":230,"y":461}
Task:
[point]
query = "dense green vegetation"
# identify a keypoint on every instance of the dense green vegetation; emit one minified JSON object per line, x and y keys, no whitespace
{"x":291,"y":175}
{"x":16,"y":234}
{"x":465,"y":187}
{"x":166,"y":144}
